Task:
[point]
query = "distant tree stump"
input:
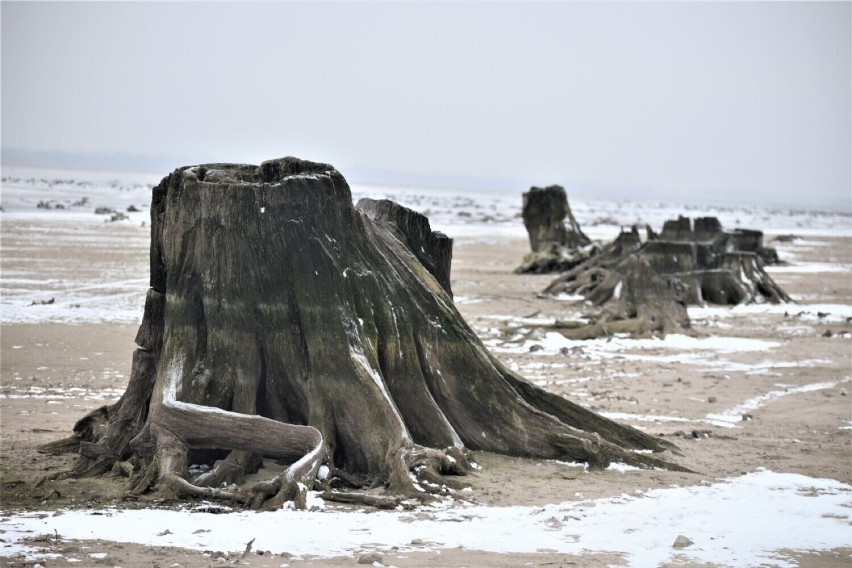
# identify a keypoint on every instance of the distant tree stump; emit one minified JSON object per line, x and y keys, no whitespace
{"x":283,"y":322}
{"x":556,"y":240}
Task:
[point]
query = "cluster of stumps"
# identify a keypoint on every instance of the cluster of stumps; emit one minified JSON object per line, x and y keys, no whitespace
{"x":642,"y":285}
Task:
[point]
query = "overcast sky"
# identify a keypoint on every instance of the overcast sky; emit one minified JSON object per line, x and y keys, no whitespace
{"x":670,"y":99}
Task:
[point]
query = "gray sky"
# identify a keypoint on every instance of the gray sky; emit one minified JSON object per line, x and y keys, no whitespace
{"x":686,"y":100}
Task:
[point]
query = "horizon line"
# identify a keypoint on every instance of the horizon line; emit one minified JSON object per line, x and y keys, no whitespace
{"x":126,"y":162}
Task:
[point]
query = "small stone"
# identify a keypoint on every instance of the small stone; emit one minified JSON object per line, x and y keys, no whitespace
{"x":711,"y":399}
{"x":553,"y":523}
{"x":369,"y":558}
{"x":682,"y":542}
{"x":536,"y":347}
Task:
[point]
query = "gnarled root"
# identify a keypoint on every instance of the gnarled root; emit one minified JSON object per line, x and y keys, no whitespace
{"x":178,"y":426}
{"x":421,"y":472}
{"x":431,"y":468}
{"x":368,"y":499}
{"x":417,"y":474}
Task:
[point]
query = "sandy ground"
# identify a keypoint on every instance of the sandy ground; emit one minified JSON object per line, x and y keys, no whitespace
{"x":53,"y":373}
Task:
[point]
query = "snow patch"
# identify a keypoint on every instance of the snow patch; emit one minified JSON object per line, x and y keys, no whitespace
{"x":616,"y":293}
{"x":796,"y":512}
{"x":729,"y":418}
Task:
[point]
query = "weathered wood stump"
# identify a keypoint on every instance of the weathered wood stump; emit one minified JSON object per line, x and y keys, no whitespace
{"x":283,"y":322}
{"x":556,"y":240}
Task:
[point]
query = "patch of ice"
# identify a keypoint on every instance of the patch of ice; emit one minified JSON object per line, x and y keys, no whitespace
{"x":569,"y":297}
{"x":621,"y":467}
{"x":810,"y":312}
{"x":580,"y":465}
{"x":795,"y":330}
{"x":516,"y":321}
{"x":313,"y":500}
{"x":643,"y":417}
{"x":796,"y":512}
{"x":729,"y":418}
{"x":468,"y":299}
{"x":553,"y":341}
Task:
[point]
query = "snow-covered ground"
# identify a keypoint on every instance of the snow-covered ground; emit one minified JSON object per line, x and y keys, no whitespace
{"x":719,"y":517}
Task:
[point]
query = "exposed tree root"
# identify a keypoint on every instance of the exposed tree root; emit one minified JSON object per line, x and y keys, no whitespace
{"x":352,"y":498}
{"x":178,"y":427}
{"x":431,"y":471}
{"x":230,"y":470}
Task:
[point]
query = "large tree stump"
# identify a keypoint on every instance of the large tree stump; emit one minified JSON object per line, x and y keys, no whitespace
{"x":556,"y":240}
{"x":283,"y":322}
